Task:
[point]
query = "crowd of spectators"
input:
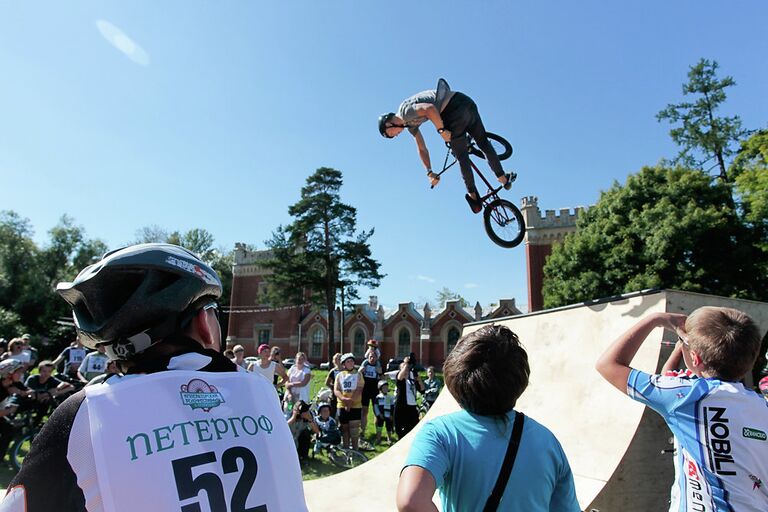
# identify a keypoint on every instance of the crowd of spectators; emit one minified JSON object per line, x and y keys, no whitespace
{"x":32,"y":388}
{"x":338,"y":414}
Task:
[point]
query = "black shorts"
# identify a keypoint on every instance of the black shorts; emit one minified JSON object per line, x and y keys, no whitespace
{"x":345,"y":416}
{"x":381,"y":421}
{"x":370,"y":390}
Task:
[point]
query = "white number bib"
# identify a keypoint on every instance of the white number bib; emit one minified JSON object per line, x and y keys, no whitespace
{"x":193,"y":441}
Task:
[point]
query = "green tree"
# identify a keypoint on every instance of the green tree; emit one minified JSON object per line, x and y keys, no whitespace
{"x":28,"y":274}
{"x":445,"y":294}
{"x":23,"y":287}
{"x":698,"y":130}
{"x":750,"y":167}
{"x":320,"y":252}
{"x":667,"y":227}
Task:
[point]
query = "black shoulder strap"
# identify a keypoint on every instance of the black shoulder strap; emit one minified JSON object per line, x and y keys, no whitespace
{"x":506,"y":468}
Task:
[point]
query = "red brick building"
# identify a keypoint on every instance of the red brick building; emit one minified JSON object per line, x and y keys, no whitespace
{"x":430,"y":335}
{"x":305,"y":328}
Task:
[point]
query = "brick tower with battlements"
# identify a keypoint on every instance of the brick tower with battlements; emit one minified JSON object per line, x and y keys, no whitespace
{"x":542,"y":232}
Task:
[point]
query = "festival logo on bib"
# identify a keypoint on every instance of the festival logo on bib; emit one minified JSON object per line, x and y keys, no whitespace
{"x":198,"y":394}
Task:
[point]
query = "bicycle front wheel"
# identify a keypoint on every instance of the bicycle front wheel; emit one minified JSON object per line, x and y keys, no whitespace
{"x":19,"y":450}
{"x":346,"y":457}
{"x":504,"y":223}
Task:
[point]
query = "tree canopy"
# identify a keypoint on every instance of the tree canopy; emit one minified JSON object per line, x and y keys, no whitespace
{"x":29,"y":273}
{"x":666,"y":227}
{"x":321,"y":252}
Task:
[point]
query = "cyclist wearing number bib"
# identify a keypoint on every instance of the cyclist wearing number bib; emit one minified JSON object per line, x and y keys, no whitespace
{"x":348,"y":389}
{"x":70,"y":357}
{"x":93,"y":365}
{"x":454,"y":115}
{"x":371,"y":371}
{"x":183,"y":429}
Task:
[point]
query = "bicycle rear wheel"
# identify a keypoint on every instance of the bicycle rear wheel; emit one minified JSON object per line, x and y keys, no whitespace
{"x":346,"y":457}
{"x":504,"y":223}
{"x":500,"y":145}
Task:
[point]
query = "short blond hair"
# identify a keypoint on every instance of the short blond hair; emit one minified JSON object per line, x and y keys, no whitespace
{"x":726,"y":339}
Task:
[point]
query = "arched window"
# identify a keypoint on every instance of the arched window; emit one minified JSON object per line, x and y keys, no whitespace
{"x":358,"y":348}
{"x":318,"y":337}
{"x":403,"y":342}
{"x":453,"y":336}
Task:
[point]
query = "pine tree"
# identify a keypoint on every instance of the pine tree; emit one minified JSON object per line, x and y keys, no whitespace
{"x":320,"y":252}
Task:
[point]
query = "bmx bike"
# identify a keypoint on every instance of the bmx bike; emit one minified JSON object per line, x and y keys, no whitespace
{"x":503,"y":220}
{"x":342,"y":457}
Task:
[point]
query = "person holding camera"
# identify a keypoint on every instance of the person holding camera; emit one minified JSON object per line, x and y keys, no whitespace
{"x":302,"y":426}
{"x":408,"y":384}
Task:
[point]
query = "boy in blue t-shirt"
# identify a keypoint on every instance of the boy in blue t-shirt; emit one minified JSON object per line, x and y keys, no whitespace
{"x":720,"y":426}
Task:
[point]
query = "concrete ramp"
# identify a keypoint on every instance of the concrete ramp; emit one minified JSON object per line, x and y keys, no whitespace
{"x":613,"y":444}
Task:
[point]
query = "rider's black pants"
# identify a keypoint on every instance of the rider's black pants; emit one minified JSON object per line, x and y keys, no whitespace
{"x":460,"y":117}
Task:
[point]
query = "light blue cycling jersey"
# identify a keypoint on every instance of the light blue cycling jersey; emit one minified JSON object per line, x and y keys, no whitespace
{"x":722,"y":432}
{"x":464,"y":453}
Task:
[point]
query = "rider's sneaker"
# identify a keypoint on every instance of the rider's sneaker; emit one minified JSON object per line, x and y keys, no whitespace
{"x":474,"y":204}
{"x":511,"y":177}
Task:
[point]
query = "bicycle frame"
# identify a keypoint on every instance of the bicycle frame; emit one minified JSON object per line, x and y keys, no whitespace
{"x":493,"y":192}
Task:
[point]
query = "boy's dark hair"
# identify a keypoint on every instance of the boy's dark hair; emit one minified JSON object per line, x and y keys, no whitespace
{"x":487,"y":371}
{"x":726,"y":339}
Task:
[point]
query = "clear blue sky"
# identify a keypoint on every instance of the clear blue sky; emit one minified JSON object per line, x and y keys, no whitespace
{"x":212,"y":114}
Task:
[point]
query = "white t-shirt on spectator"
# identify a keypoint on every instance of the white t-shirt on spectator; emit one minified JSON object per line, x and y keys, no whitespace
{"x":297,"y":375}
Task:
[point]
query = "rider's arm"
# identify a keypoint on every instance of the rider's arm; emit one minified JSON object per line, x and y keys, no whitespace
{"x":613,"y":365}
{"x":423,"y":151}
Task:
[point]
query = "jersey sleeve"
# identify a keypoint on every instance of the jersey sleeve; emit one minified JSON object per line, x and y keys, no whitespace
{"x":428,"y":451}
{"x":658,"y":392}
{"x":46,"y":480}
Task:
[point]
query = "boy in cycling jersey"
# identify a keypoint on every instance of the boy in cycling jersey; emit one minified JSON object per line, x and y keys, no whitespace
{"x":383,"y":409}
{"x":719,"y":425}
{"x":453,"y":115}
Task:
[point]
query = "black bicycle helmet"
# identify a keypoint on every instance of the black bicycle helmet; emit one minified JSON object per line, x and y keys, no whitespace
{"x":137,"y":295}
{"x":383,"y":120}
